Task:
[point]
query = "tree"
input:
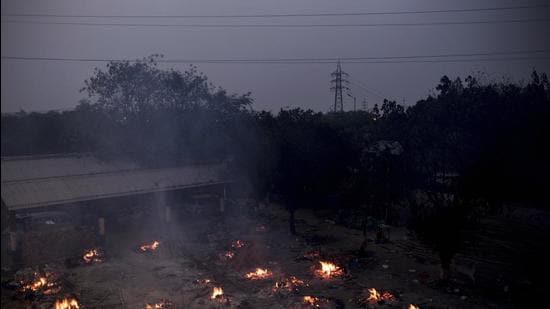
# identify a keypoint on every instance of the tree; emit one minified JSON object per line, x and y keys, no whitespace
{"x":162,"y":116}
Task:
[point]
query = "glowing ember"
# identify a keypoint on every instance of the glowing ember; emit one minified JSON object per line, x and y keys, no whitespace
{"x":411,"y":306}
{"x":36,"y":285}
{"x":259,"y":274}
{"x":217,"y":292}
{"x":92,"y":256}
{"x":290,"y":284}
{"x":314,"y":302}
{"x":329,"y":270}
{"x":150,"y":247}
{"x":44,"y":284}
{"x":203,"y":282}
{"x":237,"y":244}
{"x":227,"y":255}
{"x":310,"y":300}
{"x":66,"y":303}
{"x":161,"y":305}
{"x":375,"y":297}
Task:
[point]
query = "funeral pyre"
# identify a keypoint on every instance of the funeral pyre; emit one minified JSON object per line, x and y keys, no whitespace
{"x":288,"y":285}
{"x":314,"y":302}
{"x":92,"y":256}
{"x":66,"y":303}
{"x":375,"y":297}
{"x":36,"y":284}
{"x":328,"y":270}
{"x":259,"y":274}
{"x":150,"y":247}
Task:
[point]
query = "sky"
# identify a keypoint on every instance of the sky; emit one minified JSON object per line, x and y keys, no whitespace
{"x":37,"y":85}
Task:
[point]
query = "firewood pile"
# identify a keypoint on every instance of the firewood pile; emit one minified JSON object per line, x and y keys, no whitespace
{"x":40,"y":287}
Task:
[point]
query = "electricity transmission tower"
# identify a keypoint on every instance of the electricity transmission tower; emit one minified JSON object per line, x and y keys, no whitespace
{"x":340,"y":83}
{"x":365,"y":104}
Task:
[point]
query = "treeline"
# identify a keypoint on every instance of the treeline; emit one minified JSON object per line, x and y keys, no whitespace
{"x":491,"y":137}
{"x":429,"y":165}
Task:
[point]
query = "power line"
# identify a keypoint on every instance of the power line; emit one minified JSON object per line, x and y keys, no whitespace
{"x":538,"y":6}
{"x":366,"y":60}
{"x":362,"y":85}
{"x":368,"y":90}
{"x":257,"y":26}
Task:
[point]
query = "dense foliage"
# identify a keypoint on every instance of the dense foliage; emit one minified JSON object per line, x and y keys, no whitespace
{"x":471,"y":144}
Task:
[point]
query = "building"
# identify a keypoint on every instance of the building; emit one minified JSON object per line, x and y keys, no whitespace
{"x":88,"y":186}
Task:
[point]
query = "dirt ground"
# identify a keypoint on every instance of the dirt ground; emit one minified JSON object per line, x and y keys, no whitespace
{"x":192,"y":246}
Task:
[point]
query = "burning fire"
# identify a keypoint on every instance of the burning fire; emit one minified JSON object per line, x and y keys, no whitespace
{"x":150,"y":247}
{"x":43,"y":284}
{"x":329,"y":270}
{"x":237,"y":244}
{"x":92,"y":256}
{"x":162,"y":305}
{"x":259,"y":274}
{"x":66,"y":303}
{"x":217,"y":292}
{"x":228,"y":255}
{"x":411,"y":306}
{"x":313,"y":301}
{"x":375,"y":296}
{"x":36,"y":285}
{"x":289,"y":284}
{"x":218,"y":296}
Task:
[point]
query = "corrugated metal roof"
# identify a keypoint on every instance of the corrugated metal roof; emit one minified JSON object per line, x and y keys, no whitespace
{"x":32,"y":167}
{"x":29,"y":183}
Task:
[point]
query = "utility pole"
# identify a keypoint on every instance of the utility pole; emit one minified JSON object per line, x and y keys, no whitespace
{"x":339,"y":81}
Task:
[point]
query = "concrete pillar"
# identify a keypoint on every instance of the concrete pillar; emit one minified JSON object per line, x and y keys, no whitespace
{"x":167,"y":214}
{"x":12,"y":230}
{"x":222,"y":204}
{"x":13,"y":241}
{"x":101,"y":226}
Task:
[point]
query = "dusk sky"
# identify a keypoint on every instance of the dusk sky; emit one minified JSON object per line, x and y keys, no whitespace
{"x":46,"y":84}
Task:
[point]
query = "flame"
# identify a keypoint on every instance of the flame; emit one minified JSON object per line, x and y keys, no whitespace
{"x":289,"y":284}
{"x":313,"y":301}
{"x":259,"y":274}
{"x":42,"y":283}
{"x":150,"y":247}
{"x":92,"y":256}
{"x":237,"y":244}
{"x":66,"y":303}
{"x":411,"y":306}
{"x":375,"y":296}
{"x":228,"y":254}
{"x":36,"y":285}
{"x":310,"y":300}
{"x":217,"y":292}
{"x":329,"y":270}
